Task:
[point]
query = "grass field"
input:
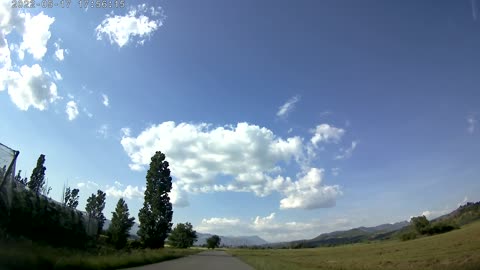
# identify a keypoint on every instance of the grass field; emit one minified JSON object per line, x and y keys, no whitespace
{"x":459,"y":250}
{"x":28,"y":256}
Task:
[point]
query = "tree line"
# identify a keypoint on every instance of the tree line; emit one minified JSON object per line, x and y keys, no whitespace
{"x":36,"y":217}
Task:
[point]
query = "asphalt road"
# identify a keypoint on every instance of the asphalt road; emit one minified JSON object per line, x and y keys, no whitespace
{"x":207,"y":260}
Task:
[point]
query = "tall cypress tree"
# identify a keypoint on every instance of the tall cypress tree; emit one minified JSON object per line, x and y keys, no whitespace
{"x":94,"y":208}
{"x":37,"y":180}
{"x":156,"y":215}
{"x":121,"y":224}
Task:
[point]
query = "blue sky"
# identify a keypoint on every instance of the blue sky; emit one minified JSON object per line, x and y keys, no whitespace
{"x":279,"y":119}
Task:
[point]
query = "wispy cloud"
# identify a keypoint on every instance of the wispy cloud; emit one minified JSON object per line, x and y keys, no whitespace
{"x":106,"y":100}
{"x":288,"y":107}
{"x":103,"y":131}
{"x":474,"y":9}
{"x":347,"y":153}
{"x":472,"y":124}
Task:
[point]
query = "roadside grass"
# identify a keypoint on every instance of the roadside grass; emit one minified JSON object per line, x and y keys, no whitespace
{"x":34,"y":256}
{"x":459,"y":250}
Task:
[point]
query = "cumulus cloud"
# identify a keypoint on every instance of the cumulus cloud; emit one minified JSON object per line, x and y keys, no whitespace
{"x":105,"y":100}
{"x":309,"y":193}
{"x":178,"y":197}
{"x":269,"y":228}
{"x":28,"y":86}
{"x":247,"y":156}
{"x":137,"y":25}
{"x":36,"y":34}
{"x":71,"y":110}
{"x":346,"y":153}
{"x":288,"y":107}
{"x":31,"y":87}
{"x":326,"y":133}
{"x":57,"y":76}
{"x":129,"y":192}
{"x":89,"y":114}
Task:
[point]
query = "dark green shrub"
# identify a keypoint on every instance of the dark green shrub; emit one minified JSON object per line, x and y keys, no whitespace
{"x":408,"y":236}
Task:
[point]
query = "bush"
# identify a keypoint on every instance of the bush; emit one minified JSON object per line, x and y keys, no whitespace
{"x":408,"y":236}
{"x":135,"y":244}
{"x":440,"y":228}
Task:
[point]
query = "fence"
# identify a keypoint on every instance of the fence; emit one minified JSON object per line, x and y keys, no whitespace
{"x":23,"y":212}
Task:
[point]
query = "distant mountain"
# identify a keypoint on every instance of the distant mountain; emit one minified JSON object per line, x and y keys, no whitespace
{"x":133,"y":230}
{"x":231,"y":241}
{"x":465,"y":214}
{"x":354,"y":235}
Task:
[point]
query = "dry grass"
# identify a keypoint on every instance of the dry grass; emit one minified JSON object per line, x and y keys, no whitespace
{"x":459,"y":250}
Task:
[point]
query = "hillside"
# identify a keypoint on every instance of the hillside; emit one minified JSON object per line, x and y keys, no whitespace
{"x":455,"y":250}
{"x":463,"y":215}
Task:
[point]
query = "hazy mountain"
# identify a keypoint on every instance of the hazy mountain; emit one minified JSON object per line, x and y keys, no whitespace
{"x":231,"y":241}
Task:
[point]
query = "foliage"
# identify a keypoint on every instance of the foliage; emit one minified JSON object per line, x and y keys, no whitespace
{"x":121,"y":225}
{"x":36,"y":217}
{"x":94,"y":208}
{"x":440,"y":227}
{"x":456,"y":250}
{"x":70,"y":198}
{"x":420,"y":223}
{"x":156,"y":214}
{"x":24,"y":255}
{"x":21,"y":180}
{"x":37,"y":179}
{"x":408,"y":236}
{"x":213,"y":242}
{"x":182,"y":236}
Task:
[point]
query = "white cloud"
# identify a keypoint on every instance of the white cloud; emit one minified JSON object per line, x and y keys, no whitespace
{"x":118,"y":184}
{"x":465,"y":200}
{"x":106,"y":101}
{"x":59,"y":52}
{"x":246,"y":156}
{"x":31,"y":87}
{"x":347,"y":153}
{"x":88,"y":184}
{"x":103,"y":131}
{"x":326,"y":133}
{"x":71,"y":110}
{"x":129,"y":192}
{"x":269,"y":228}
{"x":57,"y":76}
{"x":431,"y":214}
{"x":36,"y":34}
{"x":472,"y":123}
{"x":286,"y":108}
{"x":125,"y":131}
{"x":89,"y":114}
{"x":335,"y":171}
{"x":309,"y":193}
{"x":178,"y":197}
{"x":138,"y":24}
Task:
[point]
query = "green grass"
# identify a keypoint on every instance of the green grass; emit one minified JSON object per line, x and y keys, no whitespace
{"x":33,"y":256}
{"x":459,"y":250}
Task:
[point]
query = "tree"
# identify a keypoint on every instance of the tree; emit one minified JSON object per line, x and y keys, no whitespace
{"x":213,"y":241}
{"x":70,"y":198}
{"x":121,"y":224}
{"x":37,"y":180}
{"x":421,"y":224}
{"x":182,"y":236}
{"x":21,"y":180}
{"x":94,"y":208}
{"x":156,"y":214}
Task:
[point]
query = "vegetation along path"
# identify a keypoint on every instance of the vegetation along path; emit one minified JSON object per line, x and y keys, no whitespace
{"x":212,"y":260}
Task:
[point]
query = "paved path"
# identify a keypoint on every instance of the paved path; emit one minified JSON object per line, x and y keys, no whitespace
{"x":207,"y":260}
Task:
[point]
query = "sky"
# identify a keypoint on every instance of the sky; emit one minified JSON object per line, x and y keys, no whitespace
{"x":279,"y":119}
